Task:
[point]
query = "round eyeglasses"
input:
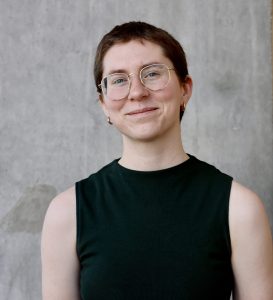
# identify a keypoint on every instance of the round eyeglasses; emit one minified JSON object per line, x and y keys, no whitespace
{"x":154,"y":77}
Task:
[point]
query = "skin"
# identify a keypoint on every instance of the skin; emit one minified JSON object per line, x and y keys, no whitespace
{"x":152,"y":141}
{"x":152,"y":137}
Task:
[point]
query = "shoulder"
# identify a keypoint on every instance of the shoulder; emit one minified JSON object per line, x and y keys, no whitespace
{"x":106,"y":170}
{"x":246,"y":208}
{"x":251,"y":243}
{"x":247,"y":214}
{"x":60,"y":265}
{"x":62,"y":208}
{"x":60,"y":218}
{"x":208,"y":170}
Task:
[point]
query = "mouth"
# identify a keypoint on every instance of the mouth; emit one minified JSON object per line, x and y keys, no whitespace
{"x":142,"y":111}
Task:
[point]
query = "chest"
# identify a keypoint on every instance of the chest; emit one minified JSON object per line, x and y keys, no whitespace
{"x":154,"y":249}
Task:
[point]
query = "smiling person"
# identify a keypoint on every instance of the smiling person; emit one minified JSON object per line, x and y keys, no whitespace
{"x":157,"y":223}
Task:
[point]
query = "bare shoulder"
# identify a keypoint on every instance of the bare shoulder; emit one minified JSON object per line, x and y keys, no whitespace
{"x":244,"y":202}
{"x":247,"y":214}
{"x":59,"y":227}
{"x":60,"y":265}
{"x":246,"y":208}
{"x":251,"y":241}
{"x":62,"y":209}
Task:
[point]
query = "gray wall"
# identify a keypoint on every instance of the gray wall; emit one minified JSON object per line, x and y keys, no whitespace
{"x":52,"y":130}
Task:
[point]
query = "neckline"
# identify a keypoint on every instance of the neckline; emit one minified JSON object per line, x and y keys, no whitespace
{"x":185,"y":164}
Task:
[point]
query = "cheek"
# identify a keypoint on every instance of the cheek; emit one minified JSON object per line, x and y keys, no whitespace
{"x":116,"y":105}
{"x":171,"y":96}
{"x":113,"y":106}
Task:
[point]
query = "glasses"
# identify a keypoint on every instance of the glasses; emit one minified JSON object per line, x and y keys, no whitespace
{"x":154,"y":77}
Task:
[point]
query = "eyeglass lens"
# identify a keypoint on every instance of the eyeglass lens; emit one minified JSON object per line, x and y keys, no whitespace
{"x":154,"y":77}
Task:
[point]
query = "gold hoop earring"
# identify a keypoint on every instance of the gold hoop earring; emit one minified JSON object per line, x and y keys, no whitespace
{"x":109,"y":120}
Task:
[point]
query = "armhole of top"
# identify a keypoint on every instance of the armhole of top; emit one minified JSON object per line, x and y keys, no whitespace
{"x":227,"y":231}
{"x":77,"y":218}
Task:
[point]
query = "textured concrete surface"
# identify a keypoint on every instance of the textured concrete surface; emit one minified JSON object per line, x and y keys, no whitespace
{"x":52,"y":130}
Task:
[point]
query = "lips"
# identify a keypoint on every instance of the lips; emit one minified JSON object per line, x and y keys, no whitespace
{"x":142,"y":110}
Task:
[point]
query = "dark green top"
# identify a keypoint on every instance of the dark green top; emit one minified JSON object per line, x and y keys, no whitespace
{"x":160,"y":235}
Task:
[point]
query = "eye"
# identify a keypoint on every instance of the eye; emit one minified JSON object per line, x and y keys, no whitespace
{"x":118,"y":80}
{"x":153,"y":72}
{"x":151,"y":75}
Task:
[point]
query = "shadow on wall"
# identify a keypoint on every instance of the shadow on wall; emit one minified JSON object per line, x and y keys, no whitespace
{"x":28,"y":214}
{"x":20,"y":229}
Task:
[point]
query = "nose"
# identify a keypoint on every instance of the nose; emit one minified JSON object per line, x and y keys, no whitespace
{"x":137,"y":90}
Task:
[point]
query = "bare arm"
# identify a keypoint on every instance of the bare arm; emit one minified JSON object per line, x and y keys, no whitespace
{"x":251,"y":240}
{"x":60,"y":267}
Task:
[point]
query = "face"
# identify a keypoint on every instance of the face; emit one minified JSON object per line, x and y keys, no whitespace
{"x":144,"y":114}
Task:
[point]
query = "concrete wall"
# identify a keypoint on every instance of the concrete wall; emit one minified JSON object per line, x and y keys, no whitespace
{"x":53,"y":133}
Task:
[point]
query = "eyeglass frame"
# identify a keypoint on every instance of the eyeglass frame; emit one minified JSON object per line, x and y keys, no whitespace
{"x":130,"y":82}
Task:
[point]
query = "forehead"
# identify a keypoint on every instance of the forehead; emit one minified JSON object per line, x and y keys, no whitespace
{"x":132,"y":55}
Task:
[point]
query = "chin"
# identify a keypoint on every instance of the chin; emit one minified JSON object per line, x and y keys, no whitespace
{"x":146,"y":132}
{"x":143,"y":135}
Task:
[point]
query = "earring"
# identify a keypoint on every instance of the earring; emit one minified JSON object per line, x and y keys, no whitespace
{"x":109,"y":121}
{"x":183,"y":107}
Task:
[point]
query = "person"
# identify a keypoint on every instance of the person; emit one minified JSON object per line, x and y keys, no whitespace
{"x":157,"y":223}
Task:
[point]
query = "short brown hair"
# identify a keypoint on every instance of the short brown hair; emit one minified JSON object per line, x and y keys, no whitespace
{"x":141,"y":31}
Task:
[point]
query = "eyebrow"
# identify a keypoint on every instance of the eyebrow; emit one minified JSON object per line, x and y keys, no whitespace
{"x":113,"y":71}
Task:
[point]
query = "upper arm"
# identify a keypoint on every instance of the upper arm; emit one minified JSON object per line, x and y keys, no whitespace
{"x":251,"y":240}
{"x":60,"y":267}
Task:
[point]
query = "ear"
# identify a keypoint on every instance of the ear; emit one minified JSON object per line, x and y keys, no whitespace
{"x":186,"y":89}
{"x":101,"y":98}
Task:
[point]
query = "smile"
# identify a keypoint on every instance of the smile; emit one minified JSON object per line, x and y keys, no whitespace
{"x":142,"y":111}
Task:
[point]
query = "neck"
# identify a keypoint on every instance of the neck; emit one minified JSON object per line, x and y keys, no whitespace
{"x":153,"y":155}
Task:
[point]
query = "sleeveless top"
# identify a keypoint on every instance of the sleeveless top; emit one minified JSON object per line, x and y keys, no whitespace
{"x":146,"y":235}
